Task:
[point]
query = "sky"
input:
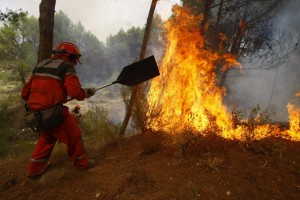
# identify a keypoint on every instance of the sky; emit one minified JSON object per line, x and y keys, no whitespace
{"x":100,"y":17}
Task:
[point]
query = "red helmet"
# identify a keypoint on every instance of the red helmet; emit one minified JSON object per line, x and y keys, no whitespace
{"x":68,"y":49}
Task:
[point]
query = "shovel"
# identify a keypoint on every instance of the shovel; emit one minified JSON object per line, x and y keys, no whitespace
{"x":136,"y":73}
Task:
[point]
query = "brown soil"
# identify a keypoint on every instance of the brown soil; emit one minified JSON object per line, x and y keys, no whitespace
{"x":159,"y":166}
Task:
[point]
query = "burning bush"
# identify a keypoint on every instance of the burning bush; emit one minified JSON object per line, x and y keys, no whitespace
{"x":186,"y":95}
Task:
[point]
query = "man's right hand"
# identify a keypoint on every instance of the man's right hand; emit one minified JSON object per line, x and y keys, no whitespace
{"x":89,"y":92}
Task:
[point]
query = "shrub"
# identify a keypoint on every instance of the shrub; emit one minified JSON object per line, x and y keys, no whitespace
{"x":95,"y":123}
{"x":140,"y":109}
{"x":4,"y":133}
{"x":256,"y":117}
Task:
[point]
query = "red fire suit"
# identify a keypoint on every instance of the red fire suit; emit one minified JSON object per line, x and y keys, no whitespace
{"x":52,"y":82}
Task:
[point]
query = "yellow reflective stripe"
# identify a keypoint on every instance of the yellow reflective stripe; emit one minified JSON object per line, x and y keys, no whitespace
{"x":39,"y":160}
{"x":80,"y":157}
{"x":48,"y":75}
{"x":71,"y":73}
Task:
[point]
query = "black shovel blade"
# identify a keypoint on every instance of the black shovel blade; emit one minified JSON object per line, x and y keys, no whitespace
{"x":138,"y":72}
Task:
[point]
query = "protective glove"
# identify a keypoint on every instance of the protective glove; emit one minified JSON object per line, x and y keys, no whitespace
{"x":89,"y":92}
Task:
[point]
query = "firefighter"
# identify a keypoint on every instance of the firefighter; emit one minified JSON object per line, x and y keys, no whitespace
{"x":52,"y":81}
{"x":76,"y":112}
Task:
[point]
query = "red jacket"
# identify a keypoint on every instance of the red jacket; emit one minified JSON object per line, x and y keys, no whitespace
{"x":52,"y":82}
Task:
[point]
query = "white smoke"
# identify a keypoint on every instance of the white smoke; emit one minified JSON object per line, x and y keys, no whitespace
{"x":275,"y":87}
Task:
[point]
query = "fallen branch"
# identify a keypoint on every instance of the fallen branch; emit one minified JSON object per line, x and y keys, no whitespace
{"x":264,"y":165}
{"x":242,"y":147}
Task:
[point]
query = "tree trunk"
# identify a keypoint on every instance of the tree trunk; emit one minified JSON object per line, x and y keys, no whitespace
{"x":22,"y":74}
{"x":235,"y":46}
{"x":46,"y":25}
{"x":219,"y":14}
{"x":206,"y":14}
{"x":135,"y":89}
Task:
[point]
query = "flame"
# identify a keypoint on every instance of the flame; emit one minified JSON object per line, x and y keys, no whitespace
{"x":186,"y":95}
{"x":294,"y":115}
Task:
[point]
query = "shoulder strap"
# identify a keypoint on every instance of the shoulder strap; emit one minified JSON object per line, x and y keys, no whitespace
{"x":40,"y":64}
{"x":54,"y":68}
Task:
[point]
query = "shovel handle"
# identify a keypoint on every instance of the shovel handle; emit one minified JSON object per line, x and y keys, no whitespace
{"x":100,"y":88}
{"x":104,"y":86}
{"x":116,"y":81}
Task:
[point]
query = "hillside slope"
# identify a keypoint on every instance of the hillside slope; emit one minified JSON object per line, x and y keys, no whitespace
{"x":159,"y":166}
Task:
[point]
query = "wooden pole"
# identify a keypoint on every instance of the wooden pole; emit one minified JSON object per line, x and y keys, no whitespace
{"x":46,"y":25}
{"x":142,"y":56}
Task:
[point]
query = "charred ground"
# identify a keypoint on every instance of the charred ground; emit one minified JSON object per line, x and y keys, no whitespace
{"x":160,"y":166}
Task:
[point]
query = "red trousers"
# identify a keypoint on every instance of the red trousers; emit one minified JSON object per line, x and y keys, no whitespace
{"x":68,"y":133}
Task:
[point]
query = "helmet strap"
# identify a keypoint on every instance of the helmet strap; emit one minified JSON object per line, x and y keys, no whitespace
{"x":74,"y":58}
{"x":63,"y":51}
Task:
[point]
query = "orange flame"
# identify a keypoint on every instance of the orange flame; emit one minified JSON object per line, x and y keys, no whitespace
{"x":186,"y":95}
{"x":294,"y":115}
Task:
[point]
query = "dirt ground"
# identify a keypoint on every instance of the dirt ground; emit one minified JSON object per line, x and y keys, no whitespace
{"x":159,"y":166}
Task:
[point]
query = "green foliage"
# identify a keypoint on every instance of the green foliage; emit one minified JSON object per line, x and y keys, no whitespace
{"x":14,"y":143}
{"x":96,"y":59}
{"x":95,"y":124}
{"x":124,"y":46}
{"x":12,"y":16}
{"x":19,"y":41}
{"x":62,"y":27}
{"x":140,"y":109}
{"x":11,"y":118}
{"x":157,"y":40}
{"x":5,"y":133}
{"x":18,"y":47}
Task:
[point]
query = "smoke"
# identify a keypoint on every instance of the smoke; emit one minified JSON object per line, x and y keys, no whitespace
{"x":272,"y":88}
